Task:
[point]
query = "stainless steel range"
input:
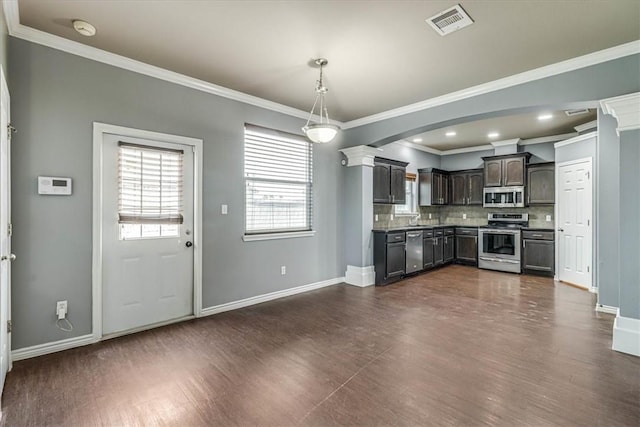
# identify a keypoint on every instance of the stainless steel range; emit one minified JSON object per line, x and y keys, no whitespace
{"x":499,"y":242}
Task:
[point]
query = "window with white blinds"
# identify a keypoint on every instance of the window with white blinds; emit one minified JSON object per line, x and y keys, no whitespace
{"x":150,"y":182}
{"x":278,"y":181}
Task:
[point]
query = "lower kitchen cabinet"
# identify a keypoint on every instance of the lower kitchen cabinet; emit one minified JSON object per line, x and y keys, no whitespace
{"x":467,"y":245}
{"x":438,"y":248}
{"x":388,"y":255}
{"x":448,"y":249}
{"x":538,"y":252}
{"x":428,"y":249}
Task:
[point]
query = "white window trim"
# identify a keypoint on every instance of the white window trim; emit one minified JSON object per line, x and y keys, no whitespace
{"x":277,"y":236}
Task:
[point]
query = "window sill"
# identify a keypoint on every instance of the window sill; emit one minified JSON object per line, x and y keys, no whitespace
{"x":277,"y":236}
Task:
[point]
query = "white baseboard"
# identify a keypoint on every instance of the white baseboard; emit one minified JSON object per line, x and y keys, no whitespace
{"x":51,"y":347}
{"x":626,"y":335}
{"x":360,"y":276}
{"x":234,"y":305}
{"x":606,"y":309}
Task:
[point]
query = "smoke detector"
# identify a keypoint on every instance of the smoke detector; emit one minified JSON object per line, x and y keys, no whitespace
{"x":450,"y":20}
{"x":84,"y":28}
{"x":576,"y":112}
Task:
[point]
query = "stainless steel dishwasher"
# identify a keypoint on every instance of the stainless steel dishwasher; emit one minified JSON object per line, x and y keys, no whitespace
{"x":414,"y":252}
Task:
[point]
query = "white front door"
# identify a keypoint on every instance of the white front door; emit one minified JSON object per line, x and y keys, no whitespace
{"x":575,"y":223}
{"x":148,"y":267}
{"x":5,"y":232}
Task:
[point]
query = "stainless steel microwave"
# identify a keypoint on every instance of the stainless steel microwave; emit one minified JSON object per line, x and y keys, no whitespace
{"x":503,"y":197}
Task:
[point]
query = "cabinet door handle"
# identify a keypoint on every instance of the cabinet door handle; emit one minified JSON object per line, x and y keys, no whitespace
{"x":524,"y":243}
{"x":476,"y":240}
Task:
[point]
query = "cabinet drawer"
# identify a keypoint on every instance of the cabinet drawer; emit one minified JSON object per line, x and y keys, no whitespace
{"x":439,"y":232}
{"x":395,"y":237}
{"x":427,"y":233}
{"x":538,"y":235}
{"x":449,"y":231}
{"x":466,"y":231}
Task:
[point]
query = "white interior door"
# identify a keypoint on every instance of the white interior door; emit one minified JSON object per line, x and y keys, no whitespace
{"x":5,"y":231}
{"x":575,"y":223}
{"x":148,"y":268}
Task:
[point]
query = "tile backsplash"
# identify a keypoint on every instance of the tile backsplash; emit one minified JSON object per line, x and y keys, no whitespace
{"x":475,"y":215}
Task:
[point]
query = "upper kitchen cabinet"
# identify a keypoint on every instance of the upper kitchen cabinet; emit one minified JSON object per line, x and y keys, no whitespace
{"x":506,"y":170}
{"x":389,"y":181}
{"x":433,"y":187}
{"x":466,"y":187}
{"x":541,"y":184}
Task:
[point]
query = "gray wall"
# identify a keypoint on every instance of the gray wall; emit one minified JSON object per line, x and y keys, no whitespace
{"x":608,"y":214}
{"x":473,"y":160}
{"x":417,"y":159}
{"x":4,"y":40}
{"x":56,"y":98}
{"x":630,"y":224}
{"x":540,"y":153}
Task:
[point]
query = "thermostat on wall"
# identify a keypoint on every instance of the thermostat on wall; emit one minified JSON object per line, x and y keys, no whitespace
{"x":54,"y":185}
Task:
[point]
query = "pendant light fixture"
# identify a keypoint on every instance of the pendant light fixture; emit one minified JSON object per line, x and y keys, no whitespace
{"x":323,"y":131}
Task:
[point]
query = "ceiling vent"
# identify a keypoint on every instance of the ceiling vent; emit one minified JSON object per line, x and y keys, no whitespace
{"x":576,"y":112}
{"x":450,"y":20}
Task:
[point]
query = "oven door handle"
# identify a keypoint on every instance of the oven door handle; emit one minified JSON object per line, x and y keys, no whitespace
{"x":505,"y":261}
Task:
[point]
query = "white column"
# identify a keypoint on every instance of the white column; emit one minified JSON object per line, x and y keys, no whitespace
{"x":358,"y":239}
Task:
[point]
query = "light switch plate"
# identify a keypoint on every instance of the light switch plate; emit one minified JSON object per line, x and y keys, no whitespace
{"x":376,"y":217}
{"x":464,"y":216}
{"x":548,"y":218}
{"x":224,"y":209}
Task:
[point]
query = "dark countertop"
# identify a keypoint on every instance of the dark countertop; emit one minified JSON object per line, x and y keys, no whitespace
{"x":420,"y":227}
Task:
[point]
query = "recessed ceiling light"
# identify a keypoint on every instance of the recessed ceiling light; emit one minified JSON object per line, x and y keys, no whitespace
{"x":84,"y":28}
{"x":545,"y":116}
{"x":417,"y":139}
{"x":493,"y":134}
{"x":451,"y":133}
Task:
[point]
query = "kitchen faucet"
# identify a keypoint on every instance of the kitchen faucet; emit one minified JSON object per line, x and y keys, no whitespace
{"x":414,"y":219}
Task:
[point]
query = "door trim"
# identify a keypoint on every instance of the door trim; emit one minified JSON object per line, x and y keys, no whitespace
{"x":556,"y":210}
{"x":99,"y":130}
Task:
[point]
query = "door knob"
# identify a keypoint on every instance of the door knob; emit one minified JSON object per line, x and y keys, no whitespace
{"x":189,"y":244}
{"x":11,"y":257}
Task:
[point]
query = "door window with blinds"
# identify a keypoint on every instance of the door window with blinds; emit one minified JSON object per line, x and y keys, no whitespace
{"x":278,"y":181}
{"x":150,"y":184}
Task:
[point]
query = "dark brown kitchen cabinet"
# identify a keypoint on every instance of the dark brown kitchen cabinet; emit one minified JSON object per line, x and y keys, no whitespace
{"x":505,"y":171}
{"x":448,"y":249}
{"x":438,"y":251}
{"x":467,"y":245}
{"x":389,"y":181}
{"x":428,"y":250}
{"x":538,"y":252}
{"x":388,"y":256}
{"x":433,"y":187}
{"x":541,"y":184}
{"x":466,"y":187}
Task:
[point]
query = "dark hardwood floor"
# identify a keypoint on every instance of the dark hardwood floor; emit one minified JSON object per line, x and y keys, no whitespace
{"x":456,"y":346}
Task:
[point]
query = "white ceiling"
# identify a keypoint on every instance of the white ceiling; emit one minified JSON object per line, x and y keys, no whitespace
{"x":382,"y":55}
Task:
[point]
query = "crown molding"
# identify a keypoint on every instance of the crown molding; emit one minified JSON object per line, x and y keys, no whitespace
{"x":544,"y":139}
{"x":626,"y":110}
{"x":575,"y":139}
{"x":505,"y":143}
{"x":631,"y":48}
{"x":23,"y":32}
{"x":16,"y":29}
{"x":586,"y":126}
{"x":360,"y":155}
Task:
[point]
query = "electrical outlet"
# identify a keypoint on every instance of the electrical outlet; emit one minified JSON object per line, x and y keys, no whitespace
{"x":391,"y":217}
{"x":224,"y":209}
{"x":283,"y":270}
{"x":464,"y":216}
{"x":61,"y":309}
{"x":548,"y":218}
{"x":429,"y":216}
{"x":376,"y":217}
